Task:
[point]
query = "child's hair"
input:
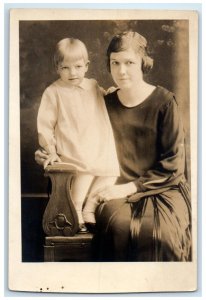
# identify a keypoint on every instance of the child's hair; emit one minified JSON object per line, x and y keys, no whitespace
{"x":70,"y":48}
{"x":134,"y":40}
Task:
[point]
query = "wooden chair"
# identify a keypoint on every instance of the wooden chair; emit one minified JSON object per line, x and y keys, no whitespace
{"x":60,"y":221}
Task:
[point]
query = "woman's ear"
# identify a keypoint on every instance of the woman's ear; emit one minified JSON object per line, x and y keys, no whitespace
{"x":147,"y":64}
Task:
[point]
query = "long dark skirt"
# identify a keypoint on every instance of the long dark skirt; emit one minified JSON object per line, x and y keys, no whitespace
{"x":156,"y":228}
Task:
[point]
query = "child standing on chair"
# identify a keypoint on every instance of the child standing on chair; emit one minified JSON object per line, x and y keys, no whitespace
{"x":74,"y":127}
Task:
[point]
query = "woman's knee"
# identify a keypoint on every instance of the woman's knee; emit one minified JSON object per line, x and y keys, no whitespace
{"x":115,"y":214}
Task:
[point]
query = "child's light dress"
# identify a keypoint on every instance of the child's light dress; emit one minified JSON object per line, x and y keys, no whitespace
{"x":74,"y":123}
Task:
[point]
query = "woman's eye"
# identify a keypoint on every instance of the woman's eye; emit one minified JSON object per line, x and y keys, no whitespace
{"x":129,"y":62}
{"x":114,"y":63}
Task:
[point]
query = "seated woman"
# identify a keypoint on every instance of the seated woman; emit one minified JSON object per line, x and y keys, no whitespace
{"x":146,"y":215}
{"x":154,"y":223}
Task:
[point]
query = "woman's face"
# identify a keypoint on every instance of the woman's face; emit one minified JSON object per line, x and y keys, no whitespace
{"x":126,"y":68}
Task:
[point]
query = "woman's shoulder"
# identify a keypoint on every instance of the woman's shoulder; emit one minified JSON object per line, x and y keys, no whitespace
{"x":111,"y":94}
{"x":111,"y":99}
{"x":160,"y":97}
{"x":163,"y":96}
{"x":164,"y":93}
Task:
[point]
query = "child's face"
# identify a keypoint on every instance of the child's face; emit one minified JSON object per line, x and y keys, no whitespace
{"x":72,"y":72}
{"x":126,"y":68}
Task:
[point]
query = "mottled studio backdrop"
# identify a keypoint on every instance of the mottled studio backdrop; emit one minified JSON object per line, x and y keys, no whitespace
{"x":168,"y":45}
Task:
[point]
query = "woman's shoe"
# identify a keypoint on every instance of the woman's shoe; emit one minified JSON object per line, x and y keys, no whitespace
{"x":91,"y":227}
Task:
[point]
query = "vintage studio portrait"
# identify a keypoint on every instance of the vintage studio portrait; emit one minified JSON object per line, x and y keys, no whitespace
{"x":105,"y":141}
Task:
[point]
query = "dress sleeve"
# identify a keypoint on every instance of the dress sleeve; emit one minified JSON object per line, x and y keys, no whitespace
{"x":100,"y":89}
{"x":46,"y":121}
{"x":171,"y":162}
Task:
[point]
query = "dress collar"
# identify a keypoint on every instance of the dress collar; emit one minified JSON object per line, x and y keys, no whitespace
{"x":84,"y":84}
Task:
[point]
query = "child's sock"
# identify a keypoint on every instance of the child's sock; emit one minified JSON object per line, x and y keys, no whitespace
{"x":89,"y":216}
{"x":80,"y":217}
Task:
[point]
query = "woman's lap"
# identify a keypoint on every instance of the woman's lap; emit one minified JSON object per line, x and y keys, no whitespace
{"x":114,"y":240}
{"x":113,"y":230}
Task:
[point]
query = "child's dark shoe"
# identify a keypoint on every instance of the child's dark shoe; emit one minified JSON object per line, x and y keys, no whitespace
{"x":82,"y":228}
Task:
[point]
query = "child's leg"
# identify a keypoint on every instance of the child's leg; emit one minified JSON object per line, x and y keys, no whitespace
{"x":92,"y":201}
{"x":79,"y":190}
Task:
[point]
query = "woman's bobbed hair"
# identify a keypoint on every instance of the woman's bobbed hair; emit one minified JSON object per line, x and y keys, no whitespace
{"x":127,"y":40}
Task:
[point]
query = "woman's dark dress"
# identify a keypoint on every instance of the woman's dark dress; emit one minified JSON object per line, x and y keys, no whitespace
{"x":154,"y":224}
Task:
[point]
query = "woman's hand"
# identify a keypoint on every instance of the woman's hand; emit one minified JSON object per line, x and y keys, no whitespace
{"x":115,"y":191}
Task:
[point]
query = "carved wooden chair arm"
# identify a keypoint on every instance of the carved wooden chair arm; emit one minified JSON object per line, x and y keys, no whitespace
{"x":60,"y":217}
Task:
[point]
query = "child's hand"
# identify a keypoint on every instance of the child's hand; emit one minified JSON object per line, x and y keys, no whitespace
{"x":102,"y":91}
{"x":40,"y":156}
{"x":111,"y":90}
{"x":51,"y":159}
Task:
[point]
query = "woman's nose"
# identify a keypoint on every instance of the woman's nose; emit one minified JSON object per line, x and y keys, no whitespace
{"x":122,"y":69}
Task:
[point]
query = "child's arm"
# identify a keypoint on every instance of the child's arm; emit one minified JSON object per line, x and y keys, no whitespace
{"x":46,"y":122}
{"x":111,"y":89}
{"x":102,"y":91}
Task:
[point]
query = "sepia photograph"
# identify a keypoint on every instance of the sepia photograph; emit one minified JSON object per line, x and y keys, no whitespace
{"x":103,"y":150}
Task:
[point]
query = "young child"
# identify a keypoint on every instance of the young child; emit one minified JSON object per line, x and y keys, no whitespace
{"x":74,"y":128}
